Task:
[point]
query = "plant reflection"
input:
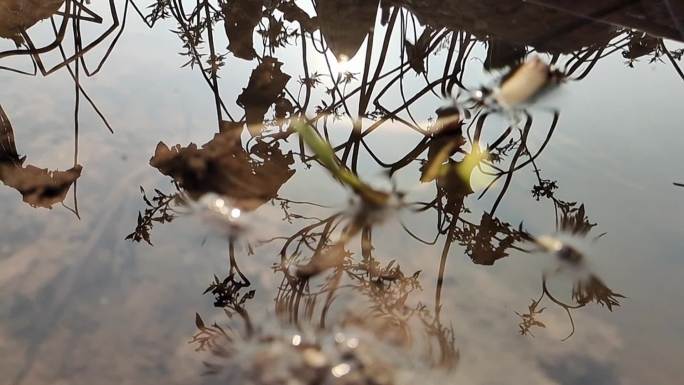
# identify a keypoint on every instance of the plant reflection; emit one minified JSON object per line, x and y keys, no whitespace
{"x":68,"y":21}
{"x":38,"y":186}
{"x":350,"y":81}
{"x":460,"y":151}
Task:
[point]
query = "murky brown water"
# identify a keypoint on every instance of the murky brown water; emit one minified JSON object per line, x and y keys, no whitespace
{"x":170,"y":218}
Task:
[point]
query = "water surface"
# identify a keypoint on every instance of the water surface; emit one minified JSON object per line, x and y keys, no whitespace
{"x":163,"y":221}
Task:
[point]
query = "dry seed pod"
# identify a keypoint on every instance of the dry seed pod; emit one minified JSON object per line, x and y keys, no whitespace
{"x":523,"y":83}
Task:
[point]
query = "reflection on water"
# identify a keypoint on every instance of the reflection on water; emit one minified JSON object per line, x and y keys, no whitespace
{"x":39,"y":187}
{"x":358,"y":149}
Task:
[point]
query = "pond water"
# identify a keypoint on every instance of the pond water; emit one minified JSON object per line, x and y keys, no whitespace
{"x":336,"y":192}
